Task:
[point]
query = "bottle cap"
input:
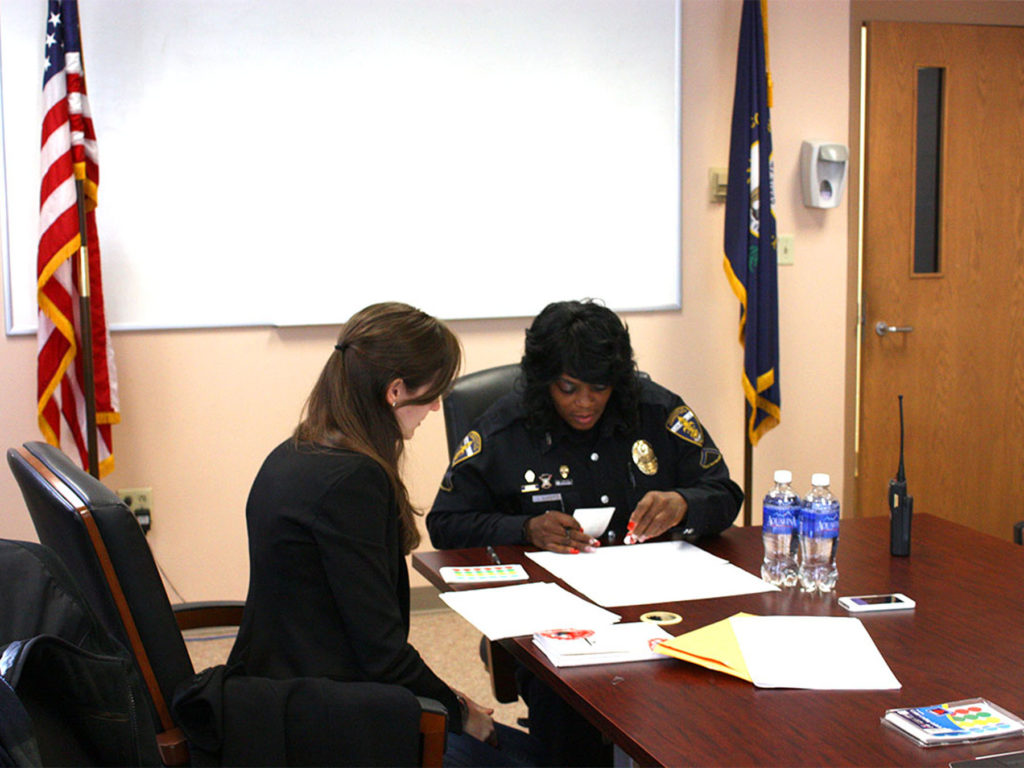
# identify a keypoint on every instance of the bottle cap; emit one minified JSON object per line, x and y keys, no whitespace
{"x":820,"y":479}
{"x":783,"y":476}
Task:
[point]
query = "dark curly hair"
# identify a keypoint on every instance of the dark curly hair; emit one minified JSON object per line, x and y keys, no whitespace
{"x":585,"y":340}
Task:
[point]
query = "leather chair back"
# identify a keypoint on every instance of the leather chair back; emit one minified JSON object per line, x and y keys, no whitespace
{"x":473,"y":394}
{"x":101,"y":543}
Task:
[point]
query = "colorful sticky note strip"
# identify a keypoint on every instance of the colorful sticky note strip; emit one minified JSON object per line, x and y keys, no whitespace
{"x":483,"y":574}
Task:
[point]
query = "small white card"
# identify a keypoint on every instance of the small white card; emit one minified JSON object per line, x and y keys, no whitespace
{"x":594,"y":520}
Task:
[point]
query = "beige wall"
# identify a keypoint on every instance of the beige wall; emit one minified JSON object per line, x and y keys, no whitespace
{"x":200,"y":409}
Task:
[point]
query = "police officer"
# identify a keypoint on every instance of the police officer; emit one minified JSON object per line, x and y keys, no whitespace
{"x":582,"y":430}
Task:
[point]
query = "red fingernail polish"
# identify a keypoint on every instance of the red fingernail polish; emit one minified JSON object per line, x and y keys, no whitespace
{"x":630,"y":525}
{"x":574,"y":551}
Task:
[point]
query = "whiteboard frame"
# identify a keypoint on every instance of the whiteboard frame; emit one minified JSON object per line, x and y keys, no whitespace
{"x":668,"y":299}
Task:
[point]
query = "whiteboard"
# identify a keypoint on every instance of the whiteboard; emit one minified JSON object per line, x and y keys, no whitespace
{"x":283,"y":162}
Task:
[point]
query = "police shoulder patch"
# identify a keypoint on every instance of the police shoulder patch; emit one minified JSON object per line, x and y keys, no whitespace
{"x":683,"y":423}
{"x":709,"y":457}
{"x":471,"y":445}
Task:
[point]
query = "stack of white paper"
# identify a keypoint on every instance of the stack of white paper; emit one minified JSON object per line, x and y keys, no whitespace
{"x":523,"y":609}
{"x":818,"y":652}
{"x":634,"y":641}
{"x":644,"y":574}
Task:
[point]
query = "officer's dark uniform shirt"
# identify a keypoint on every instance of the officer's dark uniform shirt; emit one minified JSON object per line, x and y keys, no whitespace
{"x":504,"y":473}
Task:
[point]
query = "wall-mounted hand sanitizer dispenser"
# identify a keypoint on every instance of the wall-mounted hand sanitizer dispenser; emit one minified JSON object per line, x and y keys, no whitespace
{"x":823,"y":173}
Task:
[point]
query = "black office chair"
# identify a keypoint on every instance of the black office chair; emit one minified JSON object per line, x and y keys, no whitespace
{"x":1018,"y":532}
{"x":473,"y":394}
{"x":98,"y":539}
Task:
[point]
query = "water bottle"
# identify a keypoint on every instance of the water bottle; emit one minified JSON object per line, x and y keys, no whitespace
{"x":779,"y":531}
{"x":819,"y":537}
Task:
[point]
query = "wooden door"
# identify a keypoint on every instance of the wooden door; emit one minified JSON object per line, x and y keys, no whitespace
{"x":961,"y":368}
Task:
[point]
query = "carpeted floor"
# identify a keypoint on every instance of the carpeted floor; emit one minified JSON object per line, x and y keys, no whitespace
{"x":448,"y":643}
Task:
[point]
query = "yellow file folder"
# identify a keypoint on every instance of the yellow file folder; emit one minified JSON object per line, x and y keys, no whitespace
{"x":817,"y":652}
{"x":714,"y":646}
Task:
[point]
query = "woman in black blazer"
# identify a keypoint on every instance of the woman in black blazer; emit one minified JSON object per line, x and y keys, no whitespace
{"x":330,"y":524}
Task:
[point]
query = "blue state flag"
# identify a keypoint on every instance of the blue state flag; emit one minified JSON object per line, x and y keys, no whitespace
{"x":750,"y":241}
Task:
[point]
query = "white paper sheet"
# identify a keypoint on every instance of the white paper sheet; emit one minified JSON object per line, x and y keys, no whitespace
{"x":523,"y":609}
{"x":818,"y":652}
{"x":642,"y":574}
{"x":594,"y":520}
{"x":614,"y":644}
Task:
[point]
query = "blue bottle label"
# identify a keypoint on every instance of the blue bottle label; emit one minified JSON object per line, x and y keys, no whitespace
{"x":779,"y":519}
{"x":820,"y":521}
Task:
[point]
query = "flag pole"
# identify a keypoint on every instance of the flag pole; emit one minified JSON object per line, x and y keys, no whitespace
{"x":85,"y":343}
{"x":748,"y":471}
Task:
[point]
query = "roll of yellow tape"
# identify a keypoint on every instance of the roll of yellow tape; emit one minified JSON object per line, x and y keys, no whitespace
{"x":661,"y":617}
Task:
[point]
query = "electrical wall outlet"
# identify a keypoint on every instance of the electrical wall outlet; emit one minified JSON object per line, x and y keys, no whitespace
{"x":784,"y":253}
{"x":140,"y":502}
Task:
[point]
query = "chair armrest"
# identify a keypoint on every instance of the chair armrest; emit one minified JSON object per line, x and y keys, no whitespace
{"x":222,"y":613}
{"x":173,"y":747}
{"x":433,"y":732}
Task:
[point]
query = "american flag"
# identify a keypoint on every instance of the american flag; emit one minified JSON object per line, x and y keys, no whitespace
{"x":69,"y":168}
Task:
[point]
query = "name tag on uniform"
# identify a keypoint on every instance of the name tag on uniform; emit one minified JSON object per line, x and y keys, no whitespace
{"x":545,"y":497}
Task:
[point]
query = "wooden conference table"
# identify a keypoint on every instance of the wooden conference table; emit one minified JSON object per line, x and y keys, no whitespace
{"x":964,"y":639}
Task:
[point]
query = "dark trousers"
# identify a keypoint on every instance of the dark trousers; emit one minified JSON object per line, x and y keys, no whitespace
{"x":567,"y":737}
{"x":514,"y":749}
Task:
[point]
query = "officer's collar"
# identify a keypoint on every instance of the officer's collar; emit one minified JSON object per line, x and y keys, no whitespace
{"x":563,"y":433}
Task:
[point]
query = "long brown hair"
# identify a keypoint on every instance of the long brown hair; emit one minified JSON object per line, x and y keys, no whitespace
{"x":348,"y":406}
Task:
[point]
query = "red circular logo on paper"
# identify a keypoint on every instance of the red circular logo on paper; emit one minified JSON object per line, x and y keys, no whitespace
{"x":566,"y":634}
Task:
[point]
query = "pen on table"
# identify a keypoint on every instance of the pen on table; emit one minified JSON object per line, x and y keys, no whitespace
{"x":494,"y":555}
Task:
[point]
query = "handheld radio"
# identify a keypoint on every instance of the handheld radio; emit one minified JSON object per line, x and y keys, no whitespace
{"x":901,"y":506}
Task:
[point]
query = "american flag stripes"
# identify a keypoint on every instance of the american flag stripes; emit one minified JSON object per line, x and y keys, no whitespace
{"x":69,"y":168}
